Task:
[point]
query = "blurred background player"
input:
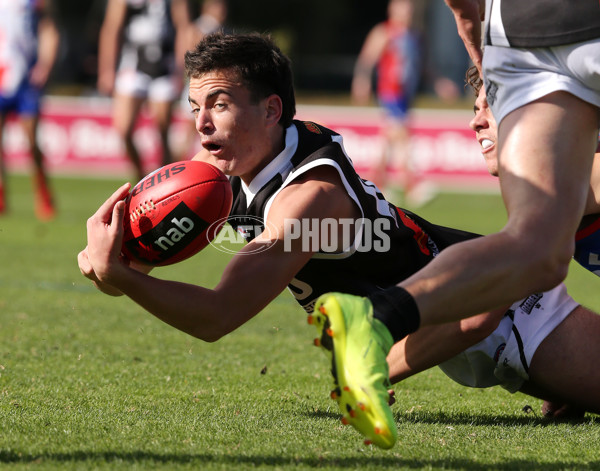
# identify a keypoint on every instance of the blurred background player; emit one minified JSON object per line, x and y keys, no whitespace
{"x":212,"y":19}
{"x":392,"y":48}
{"x":213,"y":14}
{"x":29,"y":43}
{"x":146,"y":65}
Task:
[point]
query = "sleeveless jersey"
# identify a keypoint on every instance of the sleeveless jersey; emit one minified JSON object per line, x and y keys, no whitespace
{"x":541,"y":23}
{"x":148,"y":37}
{"x":18,"y":42}
{"x":398,"y":69}
{"x":393,"y":243}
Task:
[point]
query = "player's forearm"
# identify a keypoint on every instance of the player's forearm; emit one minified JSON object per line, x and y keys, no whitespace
{"x":181,"y":20}
{"x":424,"y":349}
{"x":108,"y":49}
{"x":197,"y":311}
{"x":432,"y":345}
{"x":49,"y":39}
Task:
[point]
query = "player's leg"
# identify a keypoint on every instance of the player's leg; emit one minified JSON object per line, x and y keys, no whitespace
{"x":545,"y":165}
{"x":44,"y":204}
{"x":163,"y":113}
{"x":162,"y":95}
{"x":564,"y":367}
{"x":547,"y":139}
{"x":545,"y":180}
{"x":125,"y":112}
{"x":27,"y":106}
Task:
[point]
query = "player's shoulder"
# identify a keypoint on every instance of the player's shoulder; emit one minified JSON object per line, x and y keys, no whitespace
{"x":317,"y":192}
{"x":316,"y":183}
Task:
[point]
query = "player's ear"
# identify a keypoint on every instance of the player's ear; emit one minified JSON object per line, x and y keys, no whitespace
{"x":273,"y":109}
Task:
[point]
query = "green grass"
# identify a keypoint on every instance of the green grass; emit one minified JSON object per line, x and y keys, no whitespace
{"x":93,"y":382}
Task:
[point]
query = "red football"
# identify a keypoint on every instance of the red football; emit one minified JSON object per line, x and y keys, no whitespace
{"x":169,"y":214}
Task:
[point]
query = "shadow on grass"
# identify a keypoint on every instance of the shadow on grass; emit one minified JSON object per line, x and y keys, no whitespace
{"x":459,"y":418}
{"x":231,"y":461}
{"x":507,"y":420}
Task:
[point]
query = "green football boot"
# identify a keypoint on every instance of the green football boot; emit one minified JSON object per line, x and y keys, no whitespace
{"x":358,"y":345}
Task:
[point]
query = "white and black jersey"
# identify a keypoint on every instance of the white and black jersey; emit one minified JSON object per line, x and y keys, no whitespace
{"x":148,"y":37}
{"x":392,"y":244}
{"x":541,"y":23}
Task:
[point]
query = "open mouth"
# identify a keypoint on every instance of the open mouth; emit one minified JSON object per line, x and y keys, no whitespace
{"x":211,"y":147}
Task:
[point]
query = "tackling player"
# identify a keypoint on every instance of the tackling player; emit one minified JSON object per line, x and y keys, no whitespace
{"x":543,"y":346}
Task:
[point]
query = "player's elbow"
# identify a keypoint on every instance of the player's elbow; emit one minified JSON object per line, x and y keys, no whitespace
{"x":219,"y":325}
{"x":208,"y":338}
{"x":210,"y":333}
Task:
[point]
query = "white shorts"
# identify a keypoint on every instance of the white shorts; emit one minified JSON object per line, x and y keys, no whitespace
{"x":131,"y":82}
{"x":515,"y":77}
{"x":503,"y":358}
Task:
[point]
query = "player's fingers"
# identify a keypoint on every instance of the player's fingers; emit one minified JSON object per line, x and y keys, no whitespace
{"x":117,"y":215}
{"x":104,"y":212}
{"x":83,"y":262}
{"x":84,"y":265}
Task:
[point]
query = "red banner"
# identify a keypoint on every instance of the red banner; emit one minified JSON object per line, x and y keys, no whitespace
{"x":76,"y":136}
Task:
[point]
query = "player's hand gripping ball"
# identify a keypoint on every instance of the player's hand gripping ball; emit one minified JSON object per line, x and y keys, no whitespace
{"x":169,"y":214}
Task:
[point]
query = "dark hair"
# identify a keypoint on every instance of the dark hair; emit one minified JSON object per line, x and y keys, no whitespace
{"x":261,"y":66}
{"x":473,"y":79}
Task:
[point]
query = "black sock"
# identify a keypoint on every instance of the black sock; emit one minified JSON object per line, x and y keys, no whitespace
{"x":398,"y":311}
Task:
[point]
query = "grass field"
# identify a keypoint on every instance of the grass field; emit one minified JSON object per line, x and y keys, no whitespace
{"x":93,"y":382}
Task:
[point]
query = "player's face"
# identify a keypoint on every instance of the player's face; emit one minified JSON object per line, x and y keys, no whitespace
{"x":234,"y":129}
{"x":486,"y":131}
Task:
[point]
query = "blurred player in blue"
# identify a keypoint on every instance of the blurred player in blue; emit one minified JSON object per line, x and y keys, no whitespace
{"x":140,"y":58}
{"x":392,"y":49}
{"x":29,"y":43}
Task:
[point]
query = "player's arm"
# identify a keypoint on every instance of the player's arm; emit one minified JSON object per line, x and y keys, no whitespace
{"x":108,"y":44}
{"x":368,"y":57}
{"x":181,"y":21}
{"x":432,"y":345}
{"x":249,"y":282}
{"x":48,"y":42}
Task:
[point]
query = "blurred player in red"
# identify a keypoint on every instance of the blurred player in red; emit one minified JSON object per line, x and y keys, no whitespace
{"x":393,"y":49}
{"x":28,"y":48}
{"x":147,"y":65}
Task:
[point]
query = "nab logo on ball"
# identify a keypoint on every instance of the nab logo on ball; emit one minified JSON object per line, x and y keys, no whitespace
{"x":173,"y":234}
{"x":169,"y":214}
